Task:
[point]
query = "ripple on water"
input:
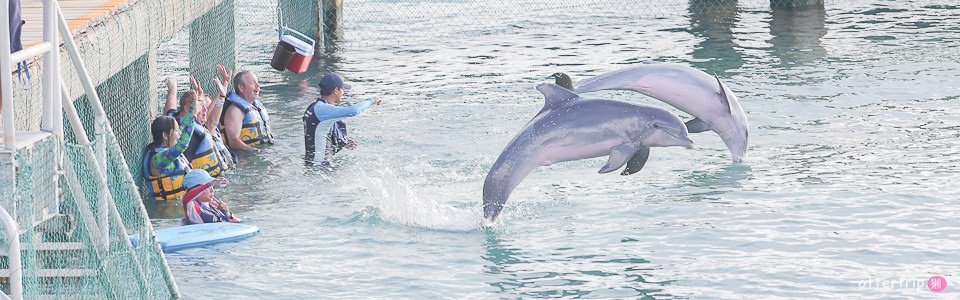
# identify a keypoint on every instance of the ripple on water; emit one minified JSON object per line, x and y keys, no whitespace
{"x":849,"y":176}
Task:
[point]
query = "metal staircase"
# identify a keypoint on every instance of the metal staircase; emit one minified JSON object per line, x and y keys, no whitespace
{"x":34,"y":162}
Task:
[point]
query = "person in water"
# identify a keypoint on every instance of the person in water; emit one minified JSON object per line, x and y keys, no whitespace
{"x":206,"y":150}
{"x":563,"y":80}
{"x":324,"y":118}
{"x":164,"y":164}
{"x":244,"y":122}
{"x":199,"y":203}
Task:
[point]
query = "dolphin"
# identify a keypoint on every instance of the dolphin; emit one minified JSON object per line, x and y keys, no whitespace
{"x":571,"y":128}
{"x":695,"y":92}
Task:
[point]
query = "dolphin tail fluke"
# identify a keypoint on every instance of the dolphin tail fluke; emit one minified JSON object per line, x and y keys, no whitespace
{"x":619,"y":156}
{"x":636,"y":163}
{"x":696,"y":126}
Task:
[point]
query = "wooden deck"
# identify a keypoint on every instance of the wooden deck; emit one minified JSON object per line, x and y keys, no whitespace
{"x":77,"y":13}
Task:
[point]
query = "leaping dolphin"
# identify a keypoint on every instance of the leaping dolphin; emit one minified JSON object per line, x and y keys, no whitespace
{"x":695,"y":92}
{"x":571,"y":128}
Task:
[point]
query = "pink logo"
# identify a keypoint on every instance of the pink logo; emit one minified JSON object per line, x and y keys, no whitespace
{"x":937,"y":283}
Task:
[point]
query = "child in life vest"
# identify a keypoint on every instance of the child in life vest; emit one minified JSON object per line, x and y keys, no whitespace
{"x":199,"y":203}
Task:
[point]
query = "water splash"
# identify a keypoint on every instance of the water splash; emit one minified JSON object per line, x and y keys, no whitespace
{"x":398,"y":203}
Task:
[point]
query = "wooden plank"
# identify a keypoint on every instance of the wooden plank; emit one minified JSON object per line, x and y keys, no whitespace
{"x":77,"y":12}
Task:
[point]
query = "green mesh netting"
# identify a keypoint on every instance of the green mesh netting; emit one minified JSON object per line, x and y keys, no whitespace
{"x":208,"y":50}
{"x":75,"y":227}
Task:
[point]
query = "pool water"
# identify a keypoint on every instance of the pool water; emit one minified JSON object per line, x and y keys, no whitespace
{"x":847,"y":189}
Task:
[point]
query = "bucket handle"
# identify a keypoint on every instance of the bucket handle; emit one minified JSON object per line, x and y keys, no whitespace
{"x":313,"y":43}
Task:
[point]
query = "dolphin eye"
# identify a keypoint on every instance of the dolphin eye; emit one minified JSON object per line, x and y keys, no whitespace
{"x":656,"y":126}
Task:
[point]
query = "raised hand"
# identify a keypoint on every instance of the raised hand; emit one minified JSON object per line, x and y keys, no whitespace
{"x":221,"y":87}
{"x":197,"y":108}
{"x":196,"y":86}
{"x":171,"y":85}
{"x":225,"y":77}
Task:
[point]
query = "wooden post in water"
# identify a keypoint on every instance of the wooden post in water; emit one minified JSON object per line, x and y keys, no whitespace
{"x":332,"y":22}
{"x":302,"y":16}
{"x":213,"y":41}
{"x":317,"y":19}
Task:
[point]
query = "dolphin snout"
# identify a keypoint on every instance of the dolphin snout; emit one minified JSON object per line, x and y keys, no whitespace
{"x":687,"y":142}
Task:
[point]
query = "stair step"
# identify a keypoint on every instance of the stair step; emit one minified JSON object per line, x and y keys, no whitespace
{"x":51,"y":246}
{"x":5,"y":273}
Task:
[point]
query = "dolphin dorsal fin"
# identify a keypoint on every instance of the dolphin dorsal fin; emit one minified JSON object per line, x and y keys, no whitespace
{"x":555,"y":95}
{"x":723,"y":94}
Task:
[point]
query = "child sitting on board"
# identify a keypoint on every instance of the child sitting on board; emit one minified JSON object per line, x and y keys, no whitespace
{"x":199,"y":204}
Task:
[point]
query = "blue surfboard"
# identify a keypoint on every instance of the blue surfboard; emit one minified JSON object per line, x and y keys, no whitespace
{"x":191,"y":236}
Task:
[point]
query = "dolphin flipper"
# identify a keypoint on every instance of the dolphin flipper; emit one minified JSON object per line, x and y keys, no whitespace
{"x":696,"y":126}
{"x":619,"y":155}
{"x":637,"y":161}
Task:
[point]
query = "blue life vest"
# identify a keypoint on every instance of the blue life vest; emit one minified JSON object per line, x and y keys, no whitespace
{"x":202,"y":151}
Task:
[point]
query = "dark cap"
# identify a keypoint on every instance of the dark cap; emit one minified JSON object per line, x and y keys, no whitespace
{"x":331,"y":81}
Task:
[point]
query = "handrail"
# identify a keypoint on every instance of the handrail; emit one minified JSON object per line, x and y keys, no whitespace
{"x":82,"y":73}
{"x":30,"y":52}
{"x":102,"y":123}
{"x":13,"y":253}
{"x":100,"y":117}
{"x":50,"y":117}
{"x":6,"y":90}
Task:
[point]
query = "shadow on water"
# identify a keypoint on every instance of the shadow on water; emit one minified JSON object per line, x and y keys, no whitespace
{"x":712,"y":21}
{"x":797,"y":32}
{"x":498,"y":254}
{"x":557,"y":273}
{"x":710,"y":184}
{"x":322,"y":62}
{"x":163,"y":209}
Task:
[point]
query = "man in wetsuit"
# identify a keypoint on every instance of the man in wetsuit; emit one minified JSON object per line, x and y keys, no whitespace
{"x":323,"y":119}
